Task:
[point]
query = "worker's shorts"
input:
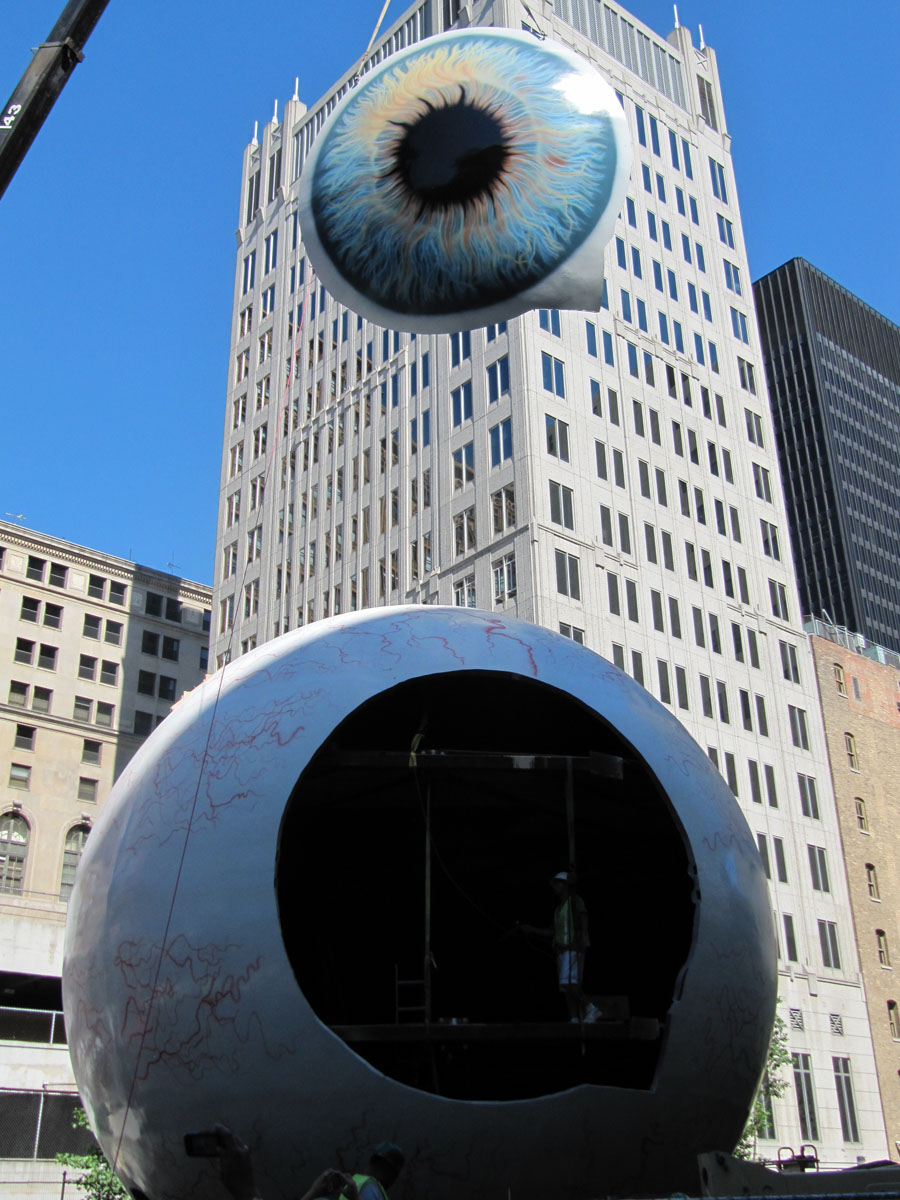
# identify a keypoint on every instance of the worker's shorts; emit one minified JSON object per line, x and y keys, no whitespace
{"x":571,"y":967}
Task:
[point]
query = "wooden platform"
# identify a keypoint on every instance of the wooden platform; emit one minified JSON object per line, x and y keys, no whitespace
{"x":632,"y":1029}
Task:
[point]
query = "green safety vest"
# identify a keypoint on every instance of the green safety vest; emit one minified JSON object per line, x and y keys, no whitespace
{"x":359,"y":1180}
{"x":566,"y":922}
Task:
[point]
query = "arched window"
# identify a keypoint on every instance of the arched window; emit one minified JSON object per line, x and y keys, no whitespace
{"x":13,"y":851}
{"x":862,"y":821}
{"x":852,"y":756}
{"x":839,"y":682}
{"x":872,"y":881}
{"x":884,"y":956}
{"x":894,"y":1019}
{"x":75,"y":839}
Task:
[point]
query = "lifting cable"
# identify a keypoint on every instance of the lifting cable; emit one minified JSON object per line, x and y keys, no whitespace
{"x":227,"y":656}
{"x":354,"y":78}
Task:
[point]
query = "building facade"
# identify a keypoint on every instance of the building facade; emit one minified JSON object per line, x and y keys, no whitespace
{"x":833,"y":370}
{"x":859,"y":683}
{"x":611,"y":475}
{"x":95,"y":650}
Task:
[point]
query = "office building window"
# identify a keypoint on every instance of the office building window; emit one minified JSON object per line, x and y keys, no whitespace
{"x":818,"y":868}
{"x":87,"y":789}
{"x":809,"y":801}
{"x":806,"y":1100}
{"x":464,"y":592}
{"x":829,"y":944}
{"x":846,"y":1106}
{"x":463,"y":466}
{"x":464,"y":532}
{"x":14,"y":833}
{"x":25,"y":737}
{"x":567,"y":575}
{"x":91,"y":752}
{"x":74,"y":847}
{"x":548,"y":319}
{"x":790,"y":938}
{"x":799,"y":727}
{"x":790,"y":667}
{"x":461,"y":403}
{"x":500,"y":437}
{"x":503,"y":509}
{"x":504,"y":572}
{"x":557,"y":438}
{"x":498,"y":380}
{"x":553,"y":375}
{"x":763,"y":847}
{"x":562,"y":508}
{"x":47,"y":656}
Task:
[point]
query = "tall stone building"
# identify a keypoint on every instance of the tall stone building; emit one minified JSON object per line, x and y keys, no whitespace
{"x":833,"y":369}
{"x":859,"y":683}
{"x":611,"y":475}
{"x":94,"y":651}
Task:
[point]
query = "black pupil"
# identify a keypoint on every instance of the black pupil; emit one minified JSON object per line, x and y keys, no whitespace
{"x":451,"y":155}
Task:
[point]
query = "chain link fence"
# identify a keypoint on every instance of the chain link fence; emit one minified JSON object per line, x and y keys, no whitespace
{"x":34,"y":1127}
{"x":39,"y":1125}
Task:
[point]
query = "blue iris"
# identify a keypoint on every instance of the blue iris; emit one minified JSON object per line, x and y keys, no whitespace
{"x":461,"y":174}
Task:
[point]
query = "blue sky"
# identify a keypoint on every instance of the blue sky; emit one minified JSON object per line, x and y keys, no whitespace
{"x":118,"y":231}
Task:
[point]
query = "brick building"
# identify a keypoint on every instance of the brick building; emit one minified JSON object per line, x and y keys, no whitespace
{"x":859,"y":683}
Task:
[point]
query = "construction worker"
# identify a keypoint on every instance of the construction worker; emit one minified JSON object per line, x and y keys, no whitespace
{"x":571,"y":938}
{"x":385,"y":1165}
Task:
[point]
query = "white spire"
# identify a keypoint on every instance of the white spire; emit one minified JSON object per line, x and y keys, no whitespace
{"x":702,"y":42}
{"x":255,"y":141}
{"x":275,"y":114}
{"x":297,"y":88}
{"x":675,"y":10}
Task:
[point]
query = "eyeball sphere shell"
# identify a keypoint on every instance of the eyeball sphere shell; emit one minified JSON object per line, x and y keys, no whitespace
{"x":466,"y":179}
{"x":257,"y":872}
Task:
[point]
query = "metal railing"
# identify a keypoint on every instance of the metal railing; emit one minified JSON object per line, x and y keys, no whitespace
{"x":42,"y":1189}
{"x":11,"y":891}
{"x":45,"y":1027}
{"x":857,"y":642}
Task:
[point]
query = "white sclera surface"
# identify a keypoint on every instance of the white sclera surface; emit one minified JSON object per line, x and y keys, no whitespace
{"x":231,"y":1038}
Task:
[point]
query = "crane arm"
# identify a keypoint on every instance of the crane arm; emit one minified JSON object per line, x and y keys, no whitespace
{"x":44,"y":79}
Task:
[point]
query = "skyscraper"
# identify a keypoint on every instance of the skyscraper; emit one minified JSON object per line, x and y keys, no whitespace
{"x":611,"y":475}
{"x":833,"y":370}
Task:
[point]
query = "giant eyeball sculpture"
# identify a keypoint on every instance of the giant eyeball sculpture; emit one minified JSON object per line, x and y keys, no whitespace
{"x":465,"y":180}
{"x":309,"y":909}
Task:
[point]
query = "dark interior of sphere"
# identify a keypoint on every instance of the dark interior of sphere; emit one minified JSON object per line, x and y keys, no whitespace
{"x":378,"y":855}
{"x":451,"y":155}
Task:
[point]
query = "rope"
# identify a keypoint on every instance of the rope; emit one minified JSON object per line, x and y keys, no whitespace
{"x":354,"y":78}
{"x":538,"y":32}
{"x":227,"y":658}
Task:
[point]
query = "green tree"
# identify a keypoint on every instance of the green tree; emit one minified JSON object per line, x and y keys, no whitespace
{"x":771,"y":1086}
{"x":98,"y":1180}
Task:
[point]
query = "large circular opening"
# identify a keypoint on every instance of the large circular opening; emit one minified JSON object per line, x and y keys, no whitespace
{"x":426,"y":830}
